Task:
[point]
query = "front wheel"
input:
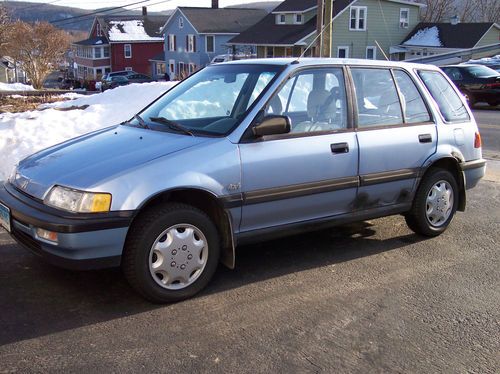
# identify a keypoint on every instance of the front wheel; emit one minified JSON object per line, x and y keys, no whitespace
{"x":171,"y":253}
{"x":435,"y":203}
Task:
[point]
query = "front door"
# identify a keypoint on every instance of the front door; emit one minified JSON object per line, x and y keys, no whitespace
{"x":310,"y":173}
{"x":395,"y":133}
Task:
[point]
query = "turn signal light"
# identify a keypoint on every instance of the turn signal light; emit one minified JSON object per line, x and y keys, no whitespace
{"x":477,"y":140}
{"x":47,"y":235}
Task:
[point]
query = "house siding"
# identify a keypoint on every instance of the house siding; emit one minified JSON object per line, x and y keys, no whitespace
{"x":141,"y":53}
{"x":491,"y":37}
{"x":382,"y":25}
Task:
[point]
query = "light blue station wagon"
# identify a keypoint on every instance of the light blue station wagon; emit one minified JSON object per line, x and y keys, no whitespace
{"x":243,"y":152}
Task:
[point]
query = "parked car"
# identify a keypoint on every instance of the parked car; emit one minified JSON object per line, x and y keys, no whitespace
{"x":106,"y":77}
{"x":113,"y":82}
{"x":478,"y":83}
{"x":139,"y":78}
{"x":242,"y":152}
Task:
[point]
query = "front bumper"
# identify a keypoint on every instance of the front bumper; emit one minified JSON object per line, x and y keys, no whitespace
{"x":85,"y":241}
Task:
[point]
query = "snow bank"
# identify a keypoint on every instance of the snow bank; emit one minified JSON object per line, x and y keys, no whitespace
{"x":428,"y":37}
{"x":15,"y":87}
{"x":22,"y":134}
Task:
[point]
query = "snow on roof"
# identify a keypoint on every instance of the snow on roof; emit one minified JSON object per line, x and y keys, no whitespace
{"x":428,"y":37}
{"x":128,"y":30}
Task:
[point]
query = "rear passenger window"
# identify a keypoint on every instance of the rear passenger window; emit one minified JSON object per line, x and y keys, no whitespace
{"x":414,"y":108}
{"x":377,"y":98}
{"x":450,"y":105}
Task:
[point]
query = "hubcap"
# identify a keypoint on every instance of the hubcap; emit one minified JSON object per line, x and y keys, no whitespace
{"x":439,"y":203}
{"x":178,"y":256}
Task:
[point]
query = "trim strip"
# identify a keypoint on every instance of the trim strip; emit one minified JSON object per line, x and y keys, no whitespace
{"x":475,"y":164}
{"x":305,"y":189}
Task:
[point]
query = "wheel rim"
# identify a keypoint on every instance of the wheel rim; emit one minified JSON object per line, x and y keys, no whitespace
{"x":178,"y":256}
{"x":439,"y":203}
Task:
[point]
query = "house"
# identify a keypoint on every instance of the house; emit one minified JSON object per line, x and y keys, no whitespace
{"x":119,"y":43}
{"x":7,"y":70}
{"x":194,"y":36}
{"x":428,"y":39}
{"x":358,"y":28}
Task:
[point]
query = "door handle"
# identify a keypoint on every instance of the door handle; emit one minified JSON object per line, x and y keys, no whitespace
{"x":339,"y":148}
{"x":425,"y":138}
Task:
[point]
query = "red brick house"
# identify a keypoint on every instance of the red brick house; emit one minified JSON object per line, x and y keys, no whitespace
{"x":119,"y":43}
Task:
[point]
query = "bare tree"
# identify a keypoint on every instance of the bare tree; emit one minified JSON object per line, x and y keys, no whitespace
{"x":5,"y":28}
{"x":437,"y":10}
{"x":38,"y":48}
{"x":488,"y":10}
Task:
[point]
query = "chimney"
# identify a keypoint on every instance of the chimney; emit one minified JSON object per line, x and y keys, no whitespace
{"x":215,"y":4}
{"x":144,"y":11}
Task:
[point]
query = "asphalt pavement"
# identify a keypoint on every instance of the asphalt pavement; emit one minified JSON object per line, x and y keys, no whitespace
{"x":367,"y":297}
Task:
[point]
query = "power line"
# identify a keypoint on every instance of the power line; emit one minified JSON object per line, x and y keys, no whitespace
{"x":109,"y":14}
{"x":97,"y":12}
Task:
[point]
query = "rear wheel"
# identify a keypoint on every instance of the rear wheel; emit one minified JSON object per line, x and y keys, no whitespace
{"x":172,"y":252}
{"x":435,"y":203}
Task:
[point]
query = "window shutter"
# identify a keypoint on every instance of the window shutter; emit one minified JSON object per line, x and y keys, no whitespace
{"x":175,"y":42}
{"x":194,"y":43}
{"x":187,"y":43}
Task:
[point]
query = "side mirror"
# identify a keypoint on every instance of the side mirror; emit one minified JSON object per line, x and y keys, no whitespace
{"x":272,"y":125}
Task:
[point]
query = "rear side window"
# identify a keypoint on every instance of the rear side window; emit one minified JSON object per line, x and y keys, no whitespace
{"x":414,"y":107}
{"x":377,"y":98}
{"x":450,"y":105}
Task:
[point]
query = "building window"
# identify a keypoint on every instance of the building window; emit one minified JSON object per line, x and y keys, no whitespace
{"x":298,"y":19}
{"x":181,"y":22}
{"x":161,"y":68}
{"x":280,"y":19}
{"x":404,"y":18}
{"x":171,"y":42}
{"x":106,"y":52}
{"x":358,"y":18}
{"x":343,"y":52}
{"x":98,"y":29}
{"x":127,"y":49}
{"x":190,"y":43}
{"x":128,"y":68}
{"x":107,"y":70}
{"x":371,"y":53}
{"x":171,"y":64}
{"x":192,"y":68}
{"x":210,"y":43}
{"x":269,"y":52}
{"x":97,"y":52}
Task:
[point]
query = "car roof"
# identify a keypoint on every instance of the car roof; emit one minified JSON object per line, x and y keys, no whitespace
{"x":309,"y":61}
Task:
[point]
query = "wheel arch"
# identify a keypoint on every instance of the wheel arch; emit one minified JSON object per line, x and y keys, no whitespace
{"x":452,"y":164}
{"x":207,"y":202}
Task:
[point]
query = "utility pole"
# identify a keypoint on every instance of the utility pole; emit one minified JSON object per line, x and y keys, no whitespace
{"x":319,"y":29}
{"x":327,"y":32}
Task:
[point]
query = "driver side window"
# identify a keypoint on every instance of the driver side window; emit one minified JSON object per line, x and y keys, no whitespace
{"x":314,"y":100}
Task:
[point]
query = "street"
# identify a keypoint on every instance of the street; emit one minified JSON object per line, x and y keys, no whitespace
{"x":366,"y":297}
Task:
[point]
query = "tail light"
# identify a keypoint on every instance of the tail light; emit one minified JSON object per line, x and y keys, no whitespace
{"x":477,"y":140}
{"x":492,"y":85}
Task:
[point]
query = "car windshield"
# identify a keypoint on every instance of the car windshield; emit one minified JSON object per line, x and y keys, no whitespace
{"x":481,"y":71}
{"x":211,"y":102}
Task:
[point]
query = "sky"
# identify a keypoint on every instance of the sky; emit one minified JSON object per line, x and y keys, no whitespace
{"x":153,"y":5}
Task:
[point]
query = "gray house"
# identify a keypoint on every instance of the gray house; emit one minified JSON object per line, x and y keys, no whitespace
{"x":194,"y":36}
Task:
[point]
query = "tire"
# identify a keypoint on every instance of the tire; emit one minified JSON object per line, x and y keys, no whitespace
{"x":493,"y":103}
{"x":435,"y":203}
{"x":161,"y":250}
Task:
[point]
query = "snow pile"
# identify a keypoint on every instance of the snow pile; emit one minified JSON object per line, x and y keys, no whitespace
{"x":428,"y":37}
{"x":120,"y":31}
{"x":22,"y":134}
{"x":15,"y":87}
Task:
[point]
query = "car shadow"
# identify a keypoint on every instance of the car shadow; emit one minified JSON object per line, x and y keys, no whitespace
{"x":38,"y":299}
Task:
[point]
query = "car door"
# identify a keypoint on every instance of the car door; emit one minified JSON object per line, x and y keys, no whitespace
{"x":310,"y":173}
{"x":395,"y":134}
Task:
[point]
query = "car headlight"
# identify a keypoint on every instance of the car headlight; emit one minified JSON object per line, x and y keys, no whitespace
{"x":78,"y":201}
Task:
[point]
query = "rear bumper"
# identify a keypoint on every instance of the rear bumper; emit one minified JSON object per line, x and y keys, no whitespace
{"x":84,"y":241}
{"x":473,"y":171}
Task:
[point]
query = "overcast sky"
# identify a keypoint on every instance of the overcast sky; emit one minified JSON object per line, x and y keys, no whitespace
{"x":153,"y":5}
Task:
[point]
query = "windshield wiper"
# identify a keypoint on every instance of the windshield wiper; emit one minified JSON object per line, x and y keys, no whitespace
{"x":141,"y":121}
{"x":171,"y":124}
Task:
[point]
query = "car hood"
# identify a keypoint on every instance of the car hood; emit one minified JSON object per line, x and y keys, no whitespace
{"x":85,"y":162}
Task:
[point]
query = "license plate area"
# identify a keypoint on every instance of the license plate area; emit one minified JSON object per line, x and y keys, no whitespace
{"x":5,"y":217}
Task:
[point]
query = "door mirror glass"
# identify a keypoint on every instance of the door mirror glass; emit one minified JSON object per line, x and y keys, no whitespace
{"x":272,"y":125}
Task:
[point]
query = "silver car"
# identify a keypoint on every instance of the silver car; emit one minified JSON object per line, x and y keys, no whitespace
{"x":243,"y":152}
